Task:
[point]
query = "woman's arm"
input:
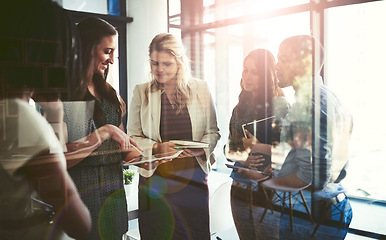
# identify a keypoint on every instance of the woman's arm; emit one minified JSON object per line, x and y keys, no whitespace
{"x":135,"y":130}
{"x":136,"y":127}
{"x":134,"y":150}
{"x":253,"y":162}
{"x":56,"y":188}
{"x":212,"y":132}
{"x":80,"y":149}
{"x":234,"y":149}
{"x":253,"y":145}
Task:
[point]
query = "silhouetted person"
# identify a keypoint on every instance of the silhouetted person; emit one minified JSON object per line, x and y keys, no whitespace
{"x":38,"y":199}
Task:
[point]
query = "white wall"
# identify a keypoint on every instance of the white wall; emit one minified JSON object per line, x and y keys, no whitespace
{"x":150,"y":18}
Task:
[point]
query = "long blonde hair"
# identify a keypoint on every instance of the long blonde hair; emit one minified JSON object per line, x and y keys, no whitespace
{"x":169,"y":43}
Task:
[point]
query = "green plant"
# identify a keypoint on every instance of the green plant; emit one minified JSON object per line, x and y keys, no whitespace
{"x":128,"y":176}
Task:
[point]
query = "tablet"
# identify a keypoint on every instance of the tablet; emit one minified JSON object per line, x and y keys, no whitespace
{"x":152,"y":158}
{"x":238,"y":167}
{"x":189,"y":144}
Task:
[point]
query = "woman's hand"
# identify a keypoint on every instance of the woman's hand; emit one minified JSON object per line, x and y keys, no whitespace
{"x":249,"y":142}
{"x":164,"y":148}
{"x":80,"y":149}
{"x":154,"y":164}
{"x":252,"y":145}
{"x":253,"y":162}
{"x":256,"y":175}
{"x":135,"y":151}
{"x":268,"y":170}
{"x":191,"y":152}
{"x":115,"y":133}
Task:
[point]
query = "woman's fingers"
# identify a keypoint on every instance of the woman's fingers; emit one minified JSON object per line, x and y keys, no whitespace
{"x":164,"y":147}
{"x":250,"y":135}
{"x":133,"y":143}
{"x":254,"y":161}
{"x":254,"y":165}
{"x":184,"y":154}
{"x":268,"y":169}
{"x":251,"y":175}
{"x":258,"y":158}
{"x":119,"y":136}
{"x":125,"y":141}
{"x":154,"y":164}
{"x":250,"y":141}
{"x":252,"y":138}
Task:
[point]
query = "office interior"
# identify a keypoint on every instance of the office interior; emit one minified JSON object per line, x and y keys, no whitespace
{"x":219,"y":33}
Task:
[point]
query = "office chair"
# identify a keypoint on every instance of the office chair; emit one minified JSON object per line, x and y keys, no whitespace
{"x":287,"y":191}
{"x":240,"y":179}
{"x":331,"y":196}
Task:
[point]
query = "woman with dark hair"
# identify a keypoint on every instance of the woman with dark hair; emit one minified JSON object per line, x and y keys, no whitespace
{"x":98,"y":174}
{"x":255,"y":119}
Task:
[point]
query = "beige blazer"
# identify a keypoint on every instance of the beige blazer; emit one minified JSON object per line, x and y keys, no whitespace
{"x":145,"y":114}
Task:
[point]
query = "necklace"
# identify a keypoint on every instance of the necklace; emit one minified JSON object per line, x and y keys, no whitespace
{"x":174,"y":105}
{"x":172,"y":100}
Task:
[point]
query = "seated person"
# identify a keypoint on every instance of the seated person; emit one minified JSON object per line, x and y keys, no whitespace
{"x":309,"y":147}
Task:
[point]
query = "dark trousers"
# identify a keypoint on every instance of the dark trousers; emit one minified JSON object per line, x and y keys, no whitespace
{"x":174,"y":202}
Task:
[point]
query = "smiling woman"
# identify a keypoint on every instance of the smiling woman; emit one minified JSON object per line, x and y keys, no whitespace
{"x":164,"y":67}
{"x":104,"y":53}
{"x":98,"y":176}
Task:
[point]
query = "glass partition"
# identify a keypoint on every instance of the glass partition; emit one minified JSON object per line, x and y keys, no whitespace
{"x":354,"y":71}
{"x":350,"y":31}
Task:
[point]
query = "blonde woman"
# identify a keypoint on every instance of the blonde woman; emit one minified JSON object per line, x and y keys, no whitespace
{"x":173,"y":194}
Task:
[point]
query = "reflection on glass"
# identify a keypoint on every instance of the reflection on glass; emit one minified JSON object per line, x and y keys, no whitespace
{"x":223,"y":10}
{"x":354,"y":71}
{"x":224,"y":51}
{"x":261,"y":106}
{"x":174,"y":7}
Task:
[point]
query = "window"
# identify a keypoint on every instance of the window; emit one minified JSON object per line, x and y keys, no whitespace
{"x":223,"y":54}
{"x":354,"y":71}
{"x":222,"y":32}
